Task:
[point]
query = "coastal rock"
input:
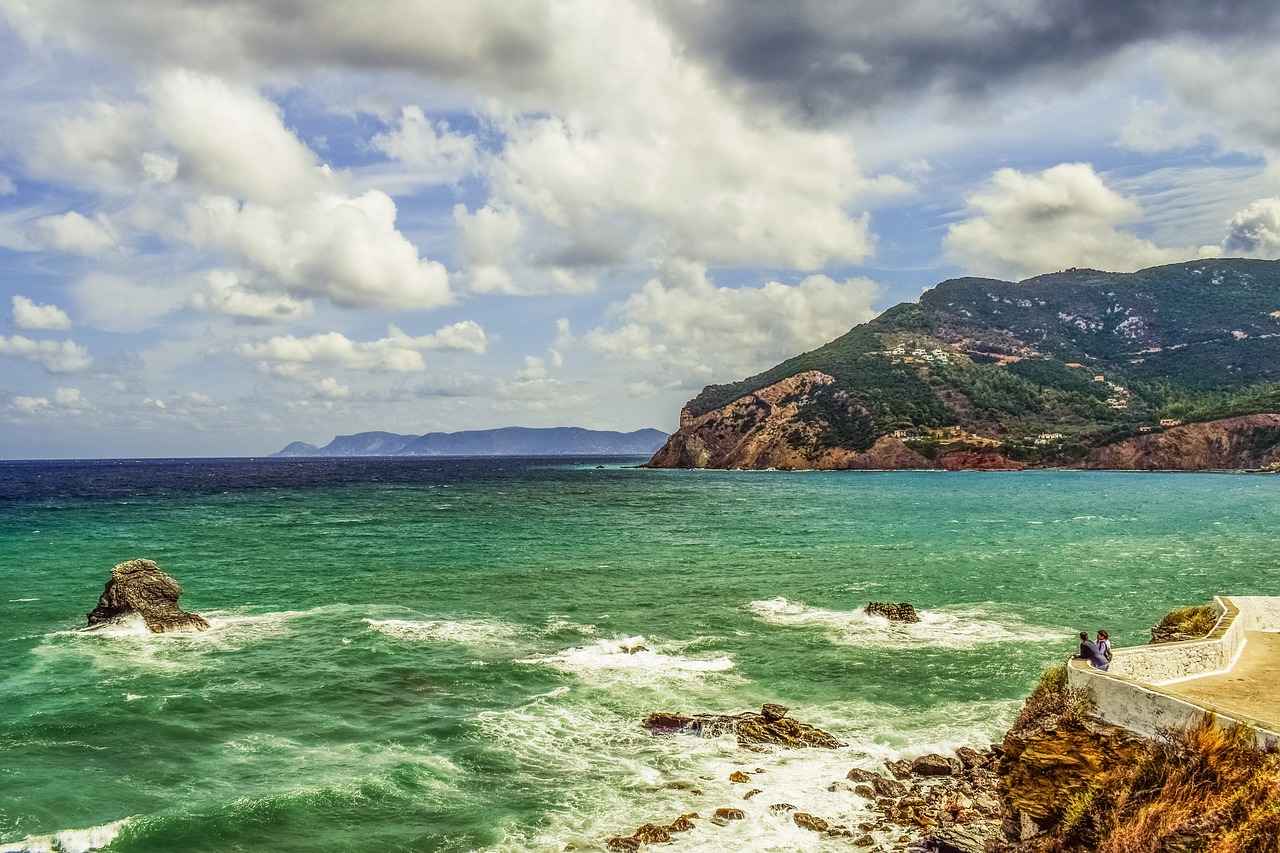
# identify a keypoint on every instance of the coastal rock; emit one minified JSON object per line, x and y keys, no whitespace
{"x":933,"y":765}
{"x":902,"y":612}
{"x":1250,"y":441}
{"x":858,"y":774}
{"x":979,"y":460}
{"x":730,"y":814}
{"x":739,"y":776}
{"x":804,"y":820}
{"x":138,"y":587}
{"x":901,"y":769}
{"x":650,"y":833}
{"x":750,"y":728}
{"x":772,"y":711}
{"x":766,"y":429}
{"x":888,"y":787}
{"x":1042,"y":770}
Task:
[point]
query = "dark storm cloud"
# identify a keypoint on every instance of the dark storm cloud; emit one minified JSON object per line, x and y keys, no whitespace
{"x":828,"y":58}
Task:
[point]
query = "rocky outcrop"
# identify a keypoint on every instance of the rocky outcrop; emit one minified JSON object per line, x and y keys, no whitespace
{"x":765,"y":429}
{"x":1044,"y":769}
{"x":979,"y":460}
{"x":138,"y":587}
{"x":901,"y":612}
{"x":1248,"y":442}
{"x":752,"y":729}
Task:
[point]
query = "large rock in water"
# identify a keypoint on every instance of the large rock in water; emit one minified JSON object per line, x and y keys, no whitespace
{"x":750,"y":728}
{"x":139,"y":587}
{"x":902,"y":612}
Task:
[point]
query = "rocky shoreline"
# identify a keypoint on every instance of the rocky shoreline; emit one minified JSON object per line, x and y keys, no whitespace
{"x":947,"y":804}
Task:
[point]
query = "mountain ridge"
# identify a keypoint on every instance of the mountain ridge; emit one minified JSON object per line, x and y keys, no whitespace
{"x":504,"y":441}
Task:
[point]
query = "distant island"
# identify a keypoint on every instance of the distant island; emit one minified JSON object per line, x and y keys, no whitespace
{"x":1171,"y":368}
{"x":508,"y":441}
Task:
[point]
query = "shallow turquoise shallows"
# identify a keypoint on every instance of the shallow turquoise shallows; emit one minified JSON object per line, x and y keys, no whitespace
{"x":428,"y":655}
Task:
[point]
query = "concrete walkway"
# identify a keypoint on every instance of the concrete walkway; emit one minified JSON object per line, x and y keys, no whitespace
{"x":1251,"y":687}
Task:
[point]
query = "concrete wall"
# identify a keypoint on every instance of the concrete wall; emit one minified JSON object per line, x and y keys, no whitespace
{"x":1129,"y":694}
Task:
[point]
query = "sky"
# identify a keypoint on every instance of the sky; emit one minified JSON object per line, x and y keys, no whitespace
{"x":226,"y":225}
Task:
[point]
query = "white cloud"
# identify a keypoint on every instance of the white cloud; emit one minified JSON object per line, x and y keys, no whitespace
{"x":232,"y":140}
{"x":1025,"y":224}
{"x":287,"y":355}
{"x":227,"y":296}
{"x":98,"y":149}
{"x":7,"y":186}
{"x":30,"y":405}
{"x":1211,"y":92}
{"x":681,"y":322}
{"x":330,"y":389}
{"x":70,"y":399}
{"x":53,"y":356}
{"x":29,"y":315}
{"x":437,"y":153}
{"x":345,"y":249}
{"x":73,"y":232}
{"x":1255,"y":231}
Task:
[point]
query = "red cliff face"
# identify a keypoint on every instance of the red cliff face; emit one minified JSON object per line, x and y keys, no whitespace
{"x":762,"y":430}
{"x":1251,"y":441}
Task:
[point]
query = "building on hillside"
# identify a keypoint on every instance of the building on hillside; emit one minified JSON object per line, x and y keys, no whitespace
{"x":1099,"y":378}
{"x":1170,"y":422}
{"x":1146,"y":428}
{"x":1048,"y":437}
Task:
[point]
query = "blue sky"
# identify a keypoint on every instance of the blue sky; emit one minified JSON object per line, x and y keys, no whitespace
{"x":229,"y":224}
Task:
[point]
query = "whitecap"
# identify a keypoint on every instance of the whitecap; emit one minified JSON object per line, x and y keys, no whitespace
{"x":952,"y":628}
{"x":632,"y":656}
{"x":68,"y":840}
{"x":468,"y":632}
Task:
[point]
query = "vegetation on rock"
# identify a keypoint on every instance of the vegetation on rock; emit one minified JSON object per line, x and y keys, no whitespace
{"x":1186,"y":623}
{"x":1205,"y":789}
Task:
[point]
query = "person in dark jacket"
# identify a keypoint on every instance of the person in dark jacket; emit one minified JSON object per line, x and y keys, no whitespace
{"x":1090,"y":652}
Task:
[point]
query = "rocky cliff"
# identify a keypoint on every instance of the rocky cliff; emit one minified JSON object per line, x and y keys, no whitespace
{"x":1078,"y":368}
{"x":770,"y":429}
{"x":1252,"y":441}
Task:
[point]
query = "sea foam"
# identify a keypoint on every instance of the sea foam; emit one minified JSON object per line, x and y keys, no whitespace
{"x":952,"y":628}
{"x":469,"y":632}
{"x":631,"y":657}
{"x":68,"y":840}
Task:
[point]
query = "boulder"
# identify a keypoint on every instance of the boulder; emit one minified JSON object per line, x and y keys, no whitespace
{"x":901,"y":612}
{"x":730,"y":814}
{"x":858,"y":774}
{"x":971,"y":758}
{"x":138,"y":587}
{"x":888,"y":787}
{"x":901,"y":769}
{"x":739,"y":776}
{"x":804,"y":820}
{"x":772,"y":712}
{"x":651,"y":833}
{"x":933,"y":765}
{"x":750,"y":728}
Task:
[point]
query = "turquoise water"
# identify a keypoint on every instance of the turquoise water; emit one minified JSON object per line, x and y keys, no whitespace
{"x":426,"y":655}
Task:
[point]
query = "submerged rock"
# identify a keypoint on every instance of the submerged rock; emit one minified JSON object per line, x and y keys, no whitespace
{"x":902,"y":612}
{"x":138,"y":587}
{"x":751,"y":728}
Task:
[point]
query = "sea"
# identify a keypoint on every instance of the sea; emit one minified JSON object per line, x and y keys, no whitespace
{"x":432,"y":654}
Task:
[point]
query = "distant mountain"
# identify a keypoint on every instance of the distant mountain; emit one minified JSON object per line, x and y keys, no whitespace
{"x":982,"y":373}
{"x":509,"y":441}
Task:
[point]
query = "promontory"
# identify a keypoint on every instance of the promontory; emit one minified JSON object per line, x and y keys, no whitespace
{"x":1170,"y":368}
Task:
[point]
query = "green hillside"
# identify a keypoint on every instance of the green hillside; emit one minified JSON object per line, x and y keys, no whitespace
{"x":1092,"y":355}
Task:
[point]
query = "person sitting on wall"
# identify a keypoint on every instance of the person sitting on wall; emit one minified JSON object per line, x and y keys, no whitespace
{"x":1090,"y":652}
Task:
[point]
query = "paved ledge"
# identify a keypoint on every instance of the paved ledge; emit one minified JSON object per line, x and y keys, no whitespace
{"x":1233,"y":674}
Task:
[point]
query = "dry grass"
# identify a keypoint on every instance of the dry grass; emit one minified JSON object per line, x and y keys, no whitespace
{"x":1051,"y":701}
{"x":1192,"y":621}
{"x":1205,"y":790}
